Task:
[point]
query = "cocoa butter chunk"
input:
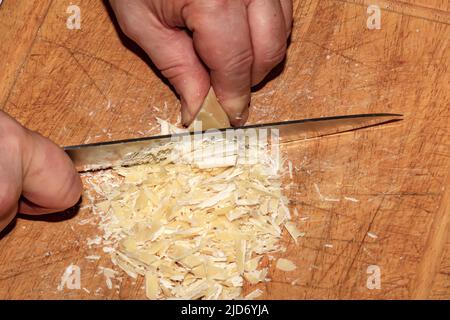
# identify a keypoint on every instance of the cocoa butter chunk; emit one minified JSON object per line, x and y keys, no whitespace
{"x":211,"y":114}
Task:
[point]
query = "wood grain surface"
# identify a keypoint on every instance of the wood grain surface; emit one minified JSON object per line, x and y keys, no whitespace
{"x":373,"y":197}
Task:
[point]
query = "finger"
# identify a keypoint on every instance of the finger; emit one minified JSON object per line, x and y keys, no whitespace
{"x":36,"y":169}
{"x":222,"y":39}
{"x":171,"y":50}
{"x":286,"y":5}
{"x":10,"y":179}
{"x":50,"y":181}
{"x":268,"y":30}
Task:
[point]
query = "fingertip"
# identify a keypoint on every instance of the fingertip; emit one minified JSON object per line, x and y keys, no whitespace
{"x":75,"y":190}
{"x":192,"y":100}
{"x":51,"y":167}
{"x":71,"y":186}
{"x":241,"y":119}
{"x":236,"y":108}
{"x":186,"y":116}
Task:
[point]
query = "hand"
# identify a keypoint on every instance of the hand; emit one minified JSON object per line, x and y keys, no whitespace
{"x":229,"y":44}
{"x":36,"y":176}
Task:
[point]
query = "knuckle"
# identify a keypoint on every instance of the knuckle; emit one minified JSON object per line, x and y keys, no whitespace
{"x":218,"y":4}
{"x":130,"y":28}
{"x":12,"y":137}
{"x":9,"y":197}
{"x":273,"y":55}
{"x":175,"y":68}
{"x":239,"y":61}
{"x":202,"y":14}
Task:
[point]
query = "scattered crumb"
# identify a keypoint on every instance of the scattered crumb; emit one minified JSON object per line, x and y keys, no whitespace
{"x":351,"y":199}
{"x":372,"y":235}
{"x":92,"y":257}
{"x":290,"y":170}
{"x":253,"y":295}
{"x":191,"y":232}
{"x":285,"y":265}
{"x":322,"y":197}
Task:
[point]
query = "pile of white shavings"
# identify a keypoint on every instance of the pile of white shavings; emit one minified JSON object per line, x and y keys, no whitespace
{"x":192,"y":233}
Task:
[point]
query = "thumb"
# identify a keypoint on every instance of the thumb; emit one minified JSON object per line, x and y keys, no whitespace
{"x":36,"y":176}
{"x":50,"y":181}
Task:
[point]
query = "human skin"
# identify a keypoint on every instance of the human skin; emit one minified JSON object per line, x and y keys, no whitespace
{"x":228,"y":44}
{"x":36,"y":176}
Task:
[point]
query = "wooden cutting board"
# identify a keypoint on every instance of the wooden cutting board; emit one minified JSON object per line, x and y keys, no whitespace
{"x":376,"y":202}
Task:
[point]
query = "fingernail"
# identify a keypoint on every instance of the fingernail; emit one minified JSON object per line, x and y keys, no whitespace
{"x":186,"y":116}
{"x":241,"y":119}
{"x":237,"y":108}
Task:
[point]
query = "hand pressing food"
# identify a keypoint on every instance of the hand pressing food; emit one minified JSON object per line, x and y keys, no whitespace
{"x":197,"y":44}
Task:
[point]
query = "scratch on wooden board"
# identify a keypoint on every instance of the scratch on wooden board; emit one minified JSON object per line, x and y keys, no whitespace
{"x":324,"y":198}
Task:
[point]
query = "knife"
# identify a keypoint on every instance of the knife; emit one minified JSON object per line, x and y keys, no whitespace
{"x":104,"y":155}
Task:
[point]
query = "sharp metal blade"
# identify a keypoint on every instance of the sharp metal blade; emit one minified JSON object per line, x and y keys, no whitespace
{"x":105,"y":155}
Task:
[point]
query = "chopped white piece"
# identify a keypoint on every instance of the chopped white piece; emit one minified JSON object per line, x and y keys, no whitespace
{"x":324,"y":198}
{"x":253,"y":295}
{"x":372,"y":235}
{"x":218,"y":162}
{"x":285,"y":265}
{"x":293,"y":231}
{"x":152,"y":288}
{"x":290,"y":170}
{"x":195,"y":229}
{"x":109,"y":283}
{"x":218,"y":197}
{"x":92,"y":257}
{"x":96,"y":241}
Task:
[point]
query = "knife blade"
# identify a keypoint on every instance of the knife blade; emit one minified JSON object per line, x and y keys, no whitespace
{"x":104,"y":155}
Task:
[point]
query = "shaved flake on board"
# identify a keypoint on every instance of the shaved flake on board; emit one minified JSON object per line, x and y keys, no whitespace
{"x":218,"y":197}
{"x":351,"y":199}
{"x":241,"y":250}
{"x":253,"y":295}
{"x":108,"y":272}
{"x":85,"y":221}
{"x":293,"y":231}
{"x":193,"y":230}
{"x":324,"y":198}
{"x":109,"y":283}
{"x":152,"y":288}
{"x":372,"y":235}
{"x":217,"y":162}
{"x":108,"y":249}
{"x":92,"y":257}
{"x":290,"y":170}
{"x":96,"y":241}
{"x":285,"y":265}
